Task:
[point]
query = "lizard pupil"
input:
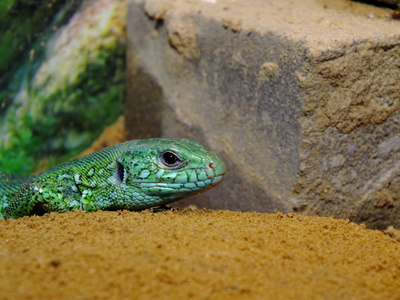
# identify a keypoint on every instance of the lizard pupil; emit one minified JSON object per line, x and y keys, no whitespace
{"x":170,"y":159}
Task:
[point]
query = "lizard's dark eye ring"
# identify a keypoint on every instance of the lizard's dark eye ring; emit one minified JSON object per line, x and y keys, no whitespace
{"x":170,"y":159}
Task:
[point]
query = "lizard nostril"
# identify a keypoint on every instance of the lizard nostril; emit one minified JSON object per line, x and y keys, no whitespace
{"x":212,"y":166}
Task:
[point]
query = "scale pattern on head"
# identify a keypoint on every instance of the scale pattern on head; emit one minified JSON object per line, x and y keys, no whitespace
{"x":167,"y":170}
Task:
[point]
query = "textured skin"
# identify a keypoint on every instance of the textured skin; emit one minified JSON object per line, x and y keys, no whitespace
{"x":133,"y":175}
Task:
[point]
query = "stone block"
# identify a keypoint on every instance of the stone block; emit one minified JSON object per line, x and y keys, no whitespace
{"x":301,"y":99}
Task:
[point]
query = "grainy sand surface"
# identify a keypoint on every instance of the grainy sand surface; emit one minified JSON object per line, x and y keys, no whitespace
{"x":198,"y":254}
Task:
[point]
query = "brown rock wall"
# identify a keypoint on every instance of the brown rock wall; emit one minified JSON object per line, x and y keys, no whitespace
{"x":301,"y":99}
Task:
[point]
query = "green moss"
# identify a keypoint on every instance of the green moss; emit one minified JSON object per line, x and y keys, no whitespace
{"x":18,"y":158}
{"x":23,"y":23}
{"x":5,"y":6}
{"x":66,"y":90}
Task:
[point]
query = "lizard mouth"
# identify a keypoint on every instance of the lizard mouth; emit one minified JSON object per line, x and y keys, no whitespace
{"x":208,"y":178}
{"x":196,"y":187}
{"x":217,"y":180}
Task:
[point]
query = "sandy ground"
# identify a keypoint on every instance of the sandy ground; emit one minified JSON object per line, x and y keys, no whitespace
{"x":198,"y":254}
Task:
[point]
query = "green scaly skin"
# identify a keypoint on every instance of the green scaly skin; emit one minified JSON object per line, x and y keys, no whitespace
{"x":134,"y":175}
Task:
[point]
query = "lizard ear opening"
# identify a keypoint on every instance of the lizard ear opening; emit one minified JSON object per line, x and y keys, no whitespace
{"x":120,"y":172}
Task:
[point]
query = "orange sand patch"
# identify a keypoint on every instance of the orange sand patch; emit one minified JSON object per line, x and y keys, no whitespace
{"x":199,"y":254}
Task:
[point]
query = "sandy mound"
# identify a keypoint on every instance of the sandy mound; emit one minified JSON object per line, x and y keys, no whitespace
{"x":200,"y":254}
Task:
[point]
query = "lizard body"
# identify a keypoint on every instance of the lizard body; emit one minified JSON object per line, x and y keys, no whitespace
{"x":134,"y":175}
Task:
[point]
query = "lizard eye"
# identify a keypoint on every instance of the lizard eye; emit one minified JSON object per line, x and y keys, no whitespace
{"x":170,"y":159}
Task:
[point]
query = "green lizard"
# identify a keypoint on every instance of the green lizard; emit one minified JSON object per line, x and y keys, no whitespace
{"x":134,"y":175}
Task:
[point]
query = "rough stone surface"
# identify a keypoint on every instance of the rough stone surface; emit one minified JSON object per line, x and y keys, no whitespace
{"x":301,"y":99}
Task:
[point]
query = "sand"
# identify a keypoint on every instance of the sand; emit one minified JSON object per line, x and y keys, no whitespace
{"x":197,"y":254}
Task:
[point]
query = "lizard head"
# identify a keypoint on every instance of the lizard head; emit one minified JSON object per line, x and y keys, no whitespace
{"x":168,"y":170}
